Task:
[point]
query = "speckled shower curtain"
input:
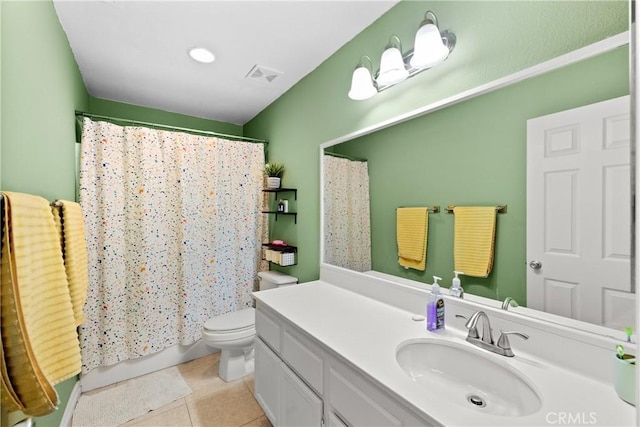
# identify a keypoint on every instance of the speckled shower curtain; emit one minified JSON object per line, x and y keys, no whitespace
{"x":347,"y":229}
{"x":173,"y":234}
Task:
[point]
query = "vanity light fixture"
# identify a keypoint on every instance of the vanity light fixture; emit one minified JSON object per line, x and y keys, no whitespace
{"x":392,"y":68}
{"x":431,"y":48}
{"x":201,"y":54}
{"x":361,"y":82}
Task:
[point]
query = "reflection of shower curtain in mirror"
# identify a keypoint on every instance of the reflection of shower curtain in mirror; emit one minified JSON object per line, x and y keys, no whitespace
{"x":347,"y":231}
{"x":173,"y":236}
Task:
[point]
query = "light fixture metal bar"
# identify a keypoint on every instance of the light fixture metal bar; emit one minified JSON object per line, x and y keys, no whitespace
{"x":449,"y":40}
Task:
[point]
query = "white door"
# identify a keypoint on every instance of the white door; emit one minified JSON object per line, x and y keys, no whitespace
{"x":579,"y":214}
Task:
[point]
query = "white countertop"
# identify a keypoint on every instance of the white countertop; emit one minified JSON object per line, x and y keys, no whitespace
{"x":367,"y":333}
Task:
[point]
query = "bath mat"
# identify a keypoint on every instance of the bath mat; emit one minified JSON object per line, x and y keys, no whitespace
{"x":131,"y":399}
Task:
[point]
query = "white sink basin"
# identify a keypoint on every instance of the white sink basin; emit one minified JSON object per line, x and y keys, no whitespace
{"x":466,"y":377}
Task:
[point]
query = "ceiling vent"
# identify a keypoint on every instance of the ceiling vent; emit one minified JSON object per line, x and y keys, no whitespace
{"x":262,"y":74}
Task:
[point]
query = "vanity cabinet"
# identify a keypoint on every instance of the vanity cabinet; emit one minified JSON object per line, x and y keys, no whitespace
{"x":284,"y":397}
{"x":299,"y":382}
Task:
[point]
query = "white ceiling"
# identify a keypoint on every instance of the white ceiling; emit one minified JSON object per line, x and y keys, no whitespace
{"x":136,"y":51}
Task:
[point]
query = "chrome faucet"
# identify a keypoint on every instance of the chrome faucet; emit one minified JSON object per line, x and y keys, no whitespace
{"x":472,"y":323}
{"x":485,"y":340}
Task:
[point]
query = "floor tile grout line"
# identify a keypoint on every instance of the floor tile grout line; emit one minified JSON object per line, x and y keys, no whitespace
{"x":255,"y":419}
{"x":189,"y":413}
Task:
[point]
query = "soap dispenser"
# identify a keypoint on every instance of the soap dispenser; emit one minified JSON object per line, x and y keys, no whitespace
{"x":456,"y":289}
{"x":435,"y":307}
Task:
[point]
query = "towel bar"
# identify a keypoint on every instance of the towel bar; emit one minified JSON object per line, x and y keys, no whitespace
{"x":499,"y":209}
{"x":56,"y":203}
{"x":434,"y":209}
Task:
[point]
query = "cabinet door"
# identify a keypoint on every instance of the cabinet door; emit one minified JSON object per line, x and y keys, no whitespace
{"x":267,"y":377}
{"x":334,"y":421}
{"x":300,"y":407}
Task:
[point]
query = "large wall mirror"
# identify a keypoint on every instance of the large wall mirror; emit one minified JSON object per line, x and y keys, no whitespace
{"x":474,"y":152}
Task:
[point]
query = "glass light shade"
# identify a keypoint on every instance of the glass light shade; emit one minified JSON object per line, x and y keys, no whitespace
{"x":428,"y":50}
{"x":362,"y":84}
{"x":201,"y":54}
{"x":392,"y":69}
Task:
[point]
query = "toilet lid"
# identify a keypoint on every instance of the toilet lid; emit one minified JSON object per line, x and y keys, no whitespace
{"x":233,"y":321}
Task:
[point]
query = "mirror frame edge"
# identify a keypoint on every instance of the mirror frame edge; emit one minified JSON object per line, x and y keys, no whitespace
{"x":634,"y":65}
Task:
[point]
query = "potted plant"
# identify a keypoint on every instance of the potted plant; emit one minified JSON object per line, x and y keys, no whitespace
{"x":274,"y":172}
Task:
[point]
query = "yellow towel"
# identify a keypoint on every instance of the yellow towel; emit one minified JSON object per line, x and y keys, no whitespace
{"x":70,"y":225}
{"x":10,"y":400}
{"x":25,"y":387}
{"x":42,"y":347}
{"x":412,"y":225}
{"x":475,"y":230}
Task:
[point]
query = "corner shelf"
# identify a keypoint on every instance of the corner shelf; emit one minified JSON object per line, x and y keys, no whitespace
{"x":282,"y":190}
{"x":284,"y":249}
{"x":295,"y":215}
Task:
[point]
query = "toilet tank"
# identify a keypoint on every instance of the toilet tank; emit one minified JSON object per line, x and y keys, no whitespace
{"x":273,"y":279}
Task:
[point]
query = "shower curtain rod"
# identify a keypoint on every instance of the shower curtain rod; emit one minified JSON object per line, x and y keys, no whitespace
{"x":344,"y":156}
{"x":156,"y":125}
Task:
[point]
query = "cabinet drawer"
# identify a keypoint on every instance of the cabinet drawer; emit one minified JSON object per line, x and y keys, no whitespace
{"x":268,"y":329}
{"x":304,"y":357}
{"x":357,"y":402}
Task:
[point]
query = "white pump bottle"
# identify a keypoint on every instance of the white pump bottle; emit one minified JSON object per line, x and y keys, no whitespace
{"x":456,"y":289}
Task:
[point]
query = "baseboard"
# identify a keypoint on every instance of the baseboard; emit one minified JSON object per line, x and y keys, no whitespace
{"x":67,"y":416}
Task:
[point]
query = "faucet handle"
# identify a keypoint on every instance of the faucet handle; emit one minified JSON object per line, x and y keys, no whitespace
{"x":473,"y":331}
{"x":503,"y":341}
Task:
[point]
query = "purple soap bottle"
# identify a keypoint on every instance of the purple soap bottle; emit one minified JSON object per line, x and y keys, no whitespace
{"x":435,"y":319}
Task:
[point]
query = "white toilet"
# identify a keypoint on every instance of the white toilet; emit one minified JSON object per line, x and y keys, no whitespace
{"x":233,"y":333}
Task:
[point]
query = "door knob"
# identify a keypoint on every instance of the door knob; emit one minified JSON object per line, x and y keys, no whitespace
{"x":535,"y":265}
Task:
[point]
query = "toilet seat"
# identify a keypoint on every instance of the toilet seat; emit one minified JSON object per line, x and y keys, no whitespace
{"x":232,"y":326}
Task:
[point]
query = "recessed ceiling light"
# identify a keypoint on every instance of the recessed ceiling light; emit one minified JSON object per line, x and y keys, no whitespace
{"x":201,"y":54}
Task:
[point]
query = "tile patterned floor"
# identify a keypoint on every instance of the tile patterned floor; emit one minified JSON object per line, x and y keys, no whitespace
{"x":212,"y":403}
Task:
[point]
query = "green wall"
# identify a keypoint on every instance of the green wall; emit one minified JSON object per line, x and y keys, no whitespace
{"x":1,"y":94}
{"x":41,"y":88}
{"x":494,"y":39}
{"x":474,"y":153}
